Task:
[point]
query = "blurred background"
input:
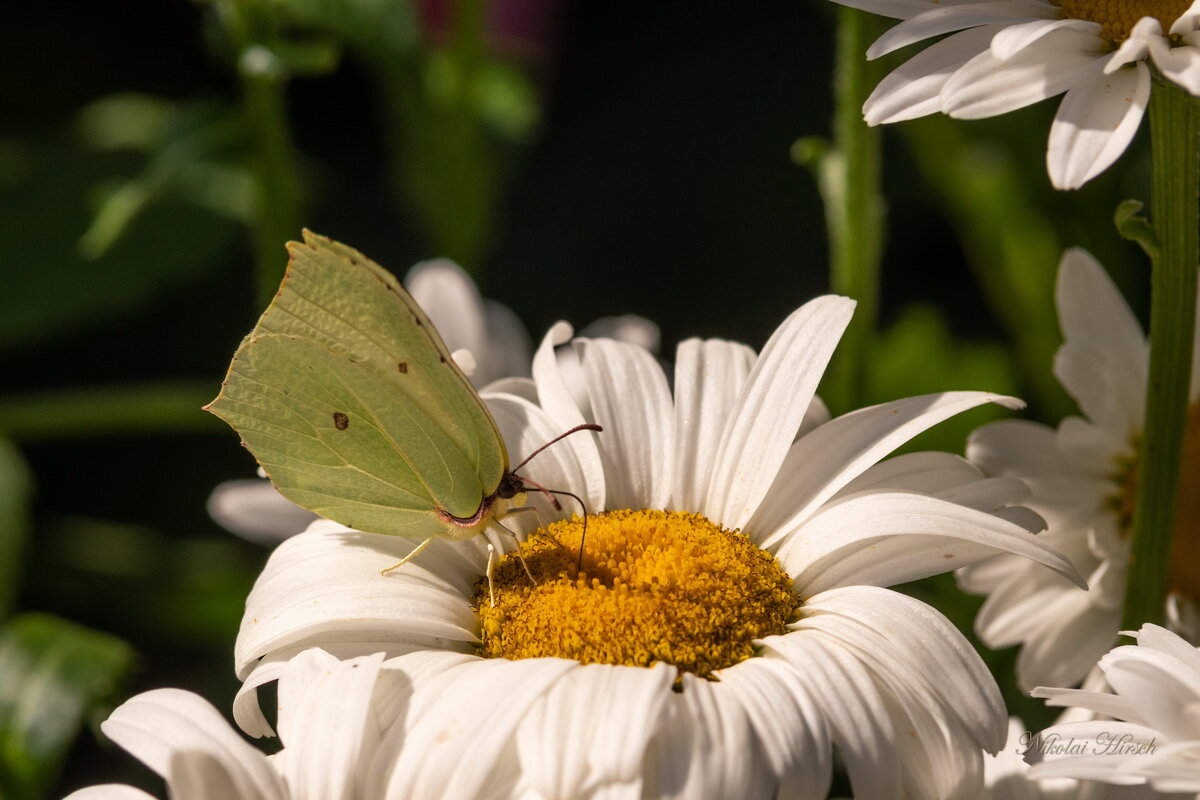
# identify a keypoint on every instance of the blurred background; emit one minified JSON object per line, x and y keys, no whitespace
{"x":578,"y":159}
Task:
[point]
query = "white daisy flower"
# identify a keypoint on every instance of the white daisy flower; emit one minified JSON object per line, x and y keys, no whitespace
{"x":1006,"y":54}
{"x":687,"y":660}
{"x":333,"y":717}
{"x":488,"y":341}
{"x":1150,"y":734}
{"x":1083,"y":477}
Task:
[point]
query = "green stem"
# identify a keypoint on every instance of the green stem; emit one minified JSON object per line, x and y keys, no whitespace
{"x":1174,"y":138}
{"x":263,"y":80}
{"x":853,"y":204}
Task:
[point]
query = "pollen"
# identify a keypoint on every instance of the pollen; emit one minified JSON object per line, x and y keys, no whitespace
{"x":1185,"y":539}
{"x":1117,"y":17}
{"x":655,"y":586}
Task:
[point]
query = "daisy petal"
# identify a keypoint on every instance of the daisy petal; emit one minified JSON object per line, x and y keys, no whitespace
{"x":881,"y":539}
{"x":708,"y":377}
{"x":443,"y":753}
{"x":1158,"y":638}
{"x":913,"y":89}
{"x":1180,"y":64}
{"x":324,"y":707}
{"x":255,"y":510}
{"x":986,"y":86}
{"x":555,"y":399}
{"x":324,"y":586}
{"x":702,"y":726}
{"x":899,"y":9}
{"x":632,"y":402}
{"x":846,"y":447}
{"x":770,"y":408}
{"x":852,"y":705}
{"x":508,"y":343}
{"x":452,"y":302}
{"x":525,"y":427}
{"x":947,"y":19}
{"x":1012,"y":39}
{"x":1095,"y":123}
{"x":1061,"y":652}
{"x":788,"y":725}
{"x":110,"y":791}
{"x":1161,"y":687}
{"x":157,"y":725}
{"x":1099,"y":702}
{"x":879,"y":626}
{"x":592,"y":730}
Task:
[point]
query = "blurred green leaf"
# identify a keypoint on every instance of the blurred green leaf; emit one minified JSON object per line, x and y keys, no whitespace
{"x":16,"y":486}
{"x":1135,"y":227}
{"x":1010,"y":242}
{"x":920,"y":355}
{"x":125,"y":121}
{"x":107,"y":411}
{"x":53,"y":675}
{"x":381,"y":27}
{"x":49,"y":288}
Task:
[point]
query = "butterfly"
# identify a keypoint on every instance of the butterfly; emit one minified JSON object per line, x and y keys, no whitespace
{"x":351,"y":402}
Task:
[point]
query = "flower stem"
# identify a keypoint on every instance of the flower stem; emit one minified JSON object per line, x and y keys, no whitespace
{"x":850,"y":178}
{"x":1175,"y":149}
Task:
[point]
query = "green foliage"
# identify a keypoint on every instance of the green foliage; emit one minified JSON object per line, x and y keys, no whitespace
{"x":54,"y":677}
{"x":919,"y":354}
{"x":15,"y":490}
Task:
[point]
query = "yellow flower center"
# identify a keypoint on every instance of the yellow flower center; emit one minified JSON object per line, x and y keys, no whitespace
{"x":1117,"y":17}
{"x":655,"y":586}
{"x":1185,"y":540}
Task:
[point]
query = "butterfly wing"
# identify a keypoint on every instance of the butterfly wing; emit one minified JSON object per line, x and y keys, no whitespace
{"x":349,"y":399}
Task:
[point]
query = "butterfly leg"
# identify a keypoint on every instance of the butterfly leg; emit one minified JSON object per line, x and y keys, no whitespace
{"x":415,"y":552}
{"x":511,"y":533}
{"x":491,"y":569}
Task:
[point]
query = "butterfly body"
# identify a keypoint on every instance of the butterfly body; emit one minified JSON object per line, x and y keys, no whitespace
{"x":352,"y":404}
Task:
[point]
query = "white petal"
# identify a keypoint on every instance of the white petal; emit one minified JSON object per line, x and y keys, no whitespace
{"x":950,"y":18}
{"x":881,"y":539}
{"x":1062,"y":493}
{"x":1136,"y":46}
{"x":1158,"y":638}
{"x":820,"y":464}
{"x":1187,"y":21}
{"x":986,"y":86}
{"x":852,"y":704}
{"x":926,"y":472}
{"x":1092,"y":738}
{"x":882,"y":628}
{"x":708,"y":377}
{"x":255,"y":510}
{"x":554,"y":396}
{"x":109,"y":791}
{"x":1159,"y":685}
{"x":630,"y":328}
{"x":1015,"y":38}
{"x":1095,"y":123}
{"x":899,"y":9}
{"x":592,"y":730}
{"x":815,"y":416}
{"x":326,"y":723}
{"x":1180,"y":64}
{"x":913,"y":89}
{"x":1097,"y":321}
{"x":458,"y":725}
{"x":1099,"y":702}
{"x":525,"y":427}
{"x":771,"y":406}
{"x":324,"y":586}
{"x":631,"y":401}
{"x":1090,"y":448}
{"x":1014,"y":609}
{"x":158,"y":725}
{"x":707,"y":748}
{"x":789,"y":727}
{"x":509,"y":347}
{"x":1068,"y":646}
{"x":448,"y":295}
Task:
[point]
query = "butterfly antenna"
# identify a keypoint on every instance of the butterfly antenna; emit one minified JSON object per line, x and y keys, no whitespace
{"x":583,"y":535}
{"x":590,"y":426}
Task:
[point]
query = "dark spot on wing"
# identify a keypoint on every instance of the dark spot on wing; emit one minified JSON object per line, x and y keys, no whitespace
{"x":442,"y":359}
{"x":402,"y":366}
{"x":340,"y":421}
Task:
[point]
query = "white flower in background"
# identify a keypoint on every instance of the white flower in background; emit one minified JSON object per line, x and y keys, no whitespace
{"x":1006,"y":776}
{"x":499,"y":349}
{"x":688,"y":660}
{"x":1083,"y":477}
{"x":1007,"y":54}
{"x":1153,"y":736}
{"x":333,"y":717}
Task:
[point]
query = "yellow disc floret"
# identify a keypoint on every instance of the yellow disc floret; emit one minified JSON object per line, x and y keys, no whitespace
{"x":655,"y":586}
{"x":1117,"y":17}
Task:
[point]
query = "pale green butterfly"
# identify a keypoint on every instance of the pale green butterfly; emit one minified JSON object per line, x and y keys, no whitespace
{"x":353,"y":406}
